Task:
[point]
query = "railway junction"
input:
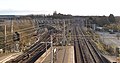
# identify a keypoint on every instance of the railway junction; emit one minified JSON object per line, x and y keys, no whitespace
{"x":65,"y":43}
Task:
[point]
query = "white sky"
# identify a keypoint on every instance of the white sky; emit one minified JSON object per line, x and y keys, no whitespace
{"x":74,"y":7}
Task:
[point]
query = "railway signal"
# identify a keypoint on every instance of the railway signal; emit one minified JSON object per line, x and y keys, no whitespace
{"x":16,"y":36}
{"x":16,"y":39}
{"x":69,"y":36}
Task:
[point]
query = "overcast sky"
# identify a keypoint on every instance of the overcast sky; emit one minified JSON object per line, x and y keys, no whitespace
{"x":74,"y":7}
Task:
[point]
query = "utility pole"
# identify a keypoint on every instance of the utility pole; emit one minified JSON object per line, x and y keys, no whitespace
{"x":5,"y":37}
{"x":52,"y":53}
{"x":11,"y":26}
{"x":118,"y":35}
{"x":69,"y":33}
{"x":11,"y":29}
{"x":86,"y":25}
{"x":64,"y":34}
{"x":103,"y":34}
{"x":51,"y":49}
{"x":46,"y":47}
{"x":58,"y":25}
{"x":93,"y":26}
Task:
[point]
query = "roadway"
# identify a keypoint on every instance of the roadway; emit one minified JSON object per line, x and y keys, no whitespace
{"x":109,"y":39}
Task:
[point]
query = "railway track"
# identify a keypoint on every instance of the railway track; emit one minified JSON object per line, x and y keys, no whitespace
{"x":85,"y":52}
{"x":33,"y":53}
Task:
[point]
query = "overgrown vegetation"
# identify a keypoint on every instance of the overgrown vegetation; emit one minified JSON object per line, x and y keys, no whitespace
{"x":102,"y":47}
{"x":24,"y":26}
